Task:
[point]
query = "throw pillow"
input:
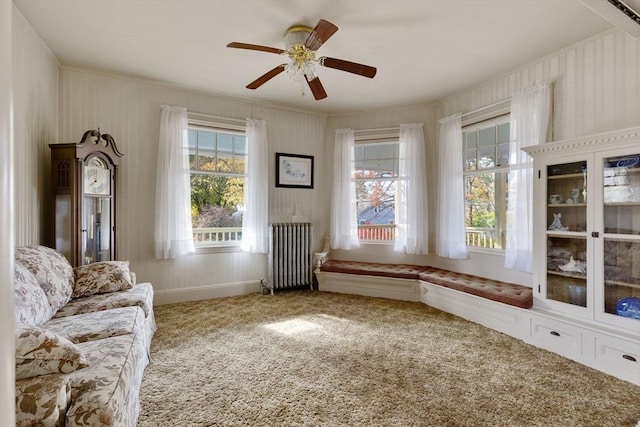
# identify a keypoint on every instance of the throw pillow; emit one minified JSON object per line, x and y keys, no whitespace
{"x":42,"y":352}
{"x":31,"y":304}
{"x":51,"y":269}
{"x":102,"y":277}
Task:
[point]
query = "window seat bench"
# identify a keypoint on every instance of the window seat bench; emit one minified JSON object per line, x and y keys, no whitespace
{"x":495,"y":290}
{"x":497,"y":305}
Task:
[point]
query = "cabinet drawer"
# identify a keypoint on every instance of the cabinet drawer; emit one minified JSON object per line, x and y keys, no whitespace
{"x":620,"y":353}
{"x":556,"y":336}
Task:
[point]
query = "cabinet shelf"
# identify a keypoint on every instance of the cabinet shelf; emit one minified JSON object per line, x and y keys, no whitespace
{"x":567,"y":234}
{"x":567,"y":205}
{"x":567,"y":176}
{"x":574,"y":275}
{"x":618,"y":283}
{"x":622,"y":237}
{"x":614,"y":204}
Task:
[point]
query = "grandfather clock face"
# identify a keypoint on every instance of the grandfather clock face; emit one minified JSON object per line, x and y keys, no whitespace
{"x":97,"y":177}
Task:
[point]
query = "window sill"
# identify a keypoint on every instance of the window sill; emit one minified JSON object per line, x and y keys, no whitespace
{"x":218,"y":249}
{"x":377,"y":242}
{"x":488,"y":251}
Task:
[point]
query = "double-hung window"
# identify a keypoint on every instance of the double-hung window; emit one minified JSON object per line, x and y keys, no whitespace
{"x":376,"y":174}
{"x":217,"y":158}
{"x":486,"y":169}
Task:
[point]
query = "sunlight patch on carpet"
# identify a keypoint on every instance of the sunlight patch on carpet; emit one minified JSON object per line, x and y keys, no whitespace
{"x":327,"y":316}
{"x":292,"y":327}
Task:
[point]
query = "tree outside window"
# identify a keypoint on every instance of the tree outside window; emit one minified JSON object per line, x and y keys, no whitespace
{"x":486,"y":167}
{"x":376,"y":173}
{"x":217,"y":162}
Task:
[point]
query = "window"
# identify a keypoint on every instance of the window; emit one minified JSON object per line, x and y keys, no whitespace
{"x":486,"y":169}
{"x":217,"y":159}
{"x":376,"y":173}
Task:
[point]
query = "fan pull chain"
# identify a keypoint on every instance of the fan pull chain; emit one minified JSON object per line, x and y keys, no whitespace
{"x":302,"y":86}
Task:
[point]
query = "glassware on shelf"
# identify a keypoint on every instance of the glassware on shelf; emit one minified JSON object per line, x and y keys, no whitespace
{"x":628,"y":307}
{"x":621,"y":273}
{"x":574,"y":266}
{"x":577,"y":295}
{"x":556,"y":225}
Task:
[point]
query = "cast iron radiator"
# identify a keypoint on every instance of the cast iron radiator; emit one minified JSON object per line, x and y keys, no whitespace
{"x":290,"y":257}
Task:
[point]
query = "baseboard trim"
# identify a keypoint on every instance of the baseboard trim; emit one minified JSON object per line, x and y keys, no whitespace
{"x":172,"y":296}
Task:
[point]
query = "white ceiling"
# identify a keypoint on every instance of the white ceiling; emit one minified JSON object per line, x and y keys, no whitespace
{"x":423,"y":49}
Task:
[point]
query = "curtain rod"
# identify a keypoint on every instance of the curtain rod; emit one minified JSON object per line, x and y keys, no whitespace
{"x":210,"y":116}
{"x":377,"y":129}
{"x":486,"y":107}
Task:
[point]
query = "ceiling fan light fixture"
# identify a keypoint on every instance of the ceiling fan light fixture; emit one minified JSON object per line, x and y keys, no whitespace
{"x":297,"y":70}
{"x":296,"y":35}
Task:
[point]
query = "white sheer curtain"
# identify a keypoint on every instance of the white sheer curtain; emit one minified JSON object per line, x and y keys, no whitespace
{"x":530,"y":117}
{"x":344,"y":216}
{"x":451,"y":234}
{"x":256,"y":191}
{"x":411,"y":192}
{"x":173,"y":233}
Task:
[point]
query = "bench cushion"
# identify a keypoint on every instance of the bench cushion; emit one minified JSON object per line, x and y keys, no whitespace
{"x":507,"y":293}
{"x":402,"y":271}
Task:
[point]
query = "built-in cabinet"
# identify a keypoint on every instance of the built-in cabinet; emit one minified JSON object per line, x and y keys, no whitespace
{"x":587,"y":251}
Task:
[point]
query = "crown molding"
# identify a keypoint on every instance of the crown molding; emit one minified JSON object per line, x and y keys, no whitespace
{"x":619,"y":13}
{"x":602,"y":140}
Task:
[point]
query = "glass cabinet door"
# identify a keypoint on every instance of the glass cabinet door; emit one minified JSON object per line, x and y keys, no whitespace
{"x":621,"y":240}
{"x":96,"y":230}
{"x":566,"y":235}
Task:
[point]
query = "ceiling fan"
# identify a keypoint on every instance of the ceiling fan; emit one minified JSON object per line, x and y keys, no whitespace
{"x":301,"y":44}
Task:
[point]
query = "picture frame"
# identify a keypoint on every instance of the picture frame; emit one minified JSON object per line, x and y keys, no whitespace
{"x":294,"y":170}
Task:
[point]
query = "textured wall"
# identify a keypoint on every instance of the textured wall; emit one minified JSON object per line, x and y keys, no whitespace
{"x":596,"y":86}
{"x":129,"y":110}
{"x":35,"y":114}
{"x":7,"y":353}
{"x":596,"y":89}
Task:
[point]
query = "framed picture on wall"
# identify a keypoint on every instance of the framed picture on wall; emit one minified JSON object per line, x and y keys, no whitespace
{"x":294,"y":170}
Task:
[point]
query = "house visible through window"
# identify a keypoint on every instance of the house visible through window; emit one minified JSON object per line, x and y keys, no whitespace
{"x":217,"y":159}
{"x":376,"y":173}
{"x":486,"y":168}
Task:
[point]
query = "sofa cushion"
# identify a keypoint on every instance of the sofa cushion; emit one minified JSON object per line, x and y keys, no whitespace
{"x":140,"y":295}
{"x":507,"y":293}
{"x":101,"y":324}
{"x":51,"y":269}
{"x":42,"y":400}
{"x":101,"y":277}
{"x":42,"y":352}
{"x":31,"y":304}
{"x":402,"y":271}
{"x":106,"y":393}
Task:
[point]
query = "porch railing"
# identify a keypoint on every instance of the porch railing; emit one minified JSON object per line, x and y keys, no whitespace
{"x":474,"y":236}
{"x":202,"y":236}
{"x":385,"y":232}
{"x":482,"y":237}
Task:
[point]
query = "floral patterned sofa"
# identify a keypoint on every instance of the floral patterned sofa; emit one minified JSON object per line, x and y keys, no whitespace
{"x":82,"y":340}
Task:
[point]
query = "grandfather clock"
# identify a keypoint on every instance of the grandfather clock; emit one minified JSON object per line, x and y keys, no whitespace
{"x":83,"y":198}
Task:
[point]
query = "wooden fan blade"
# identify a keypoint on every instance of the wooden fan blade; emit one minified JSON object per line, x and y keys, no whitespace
{"x":320,"y":34}
{"x":266,"y":77}
{"x":256,"y":47}
{"x":316,"y":88}
{"x":349,"y":67}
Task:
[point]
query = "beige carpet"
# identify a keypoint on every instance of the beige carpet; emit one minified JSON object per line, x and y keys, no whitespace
{"x":320,"y":359}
